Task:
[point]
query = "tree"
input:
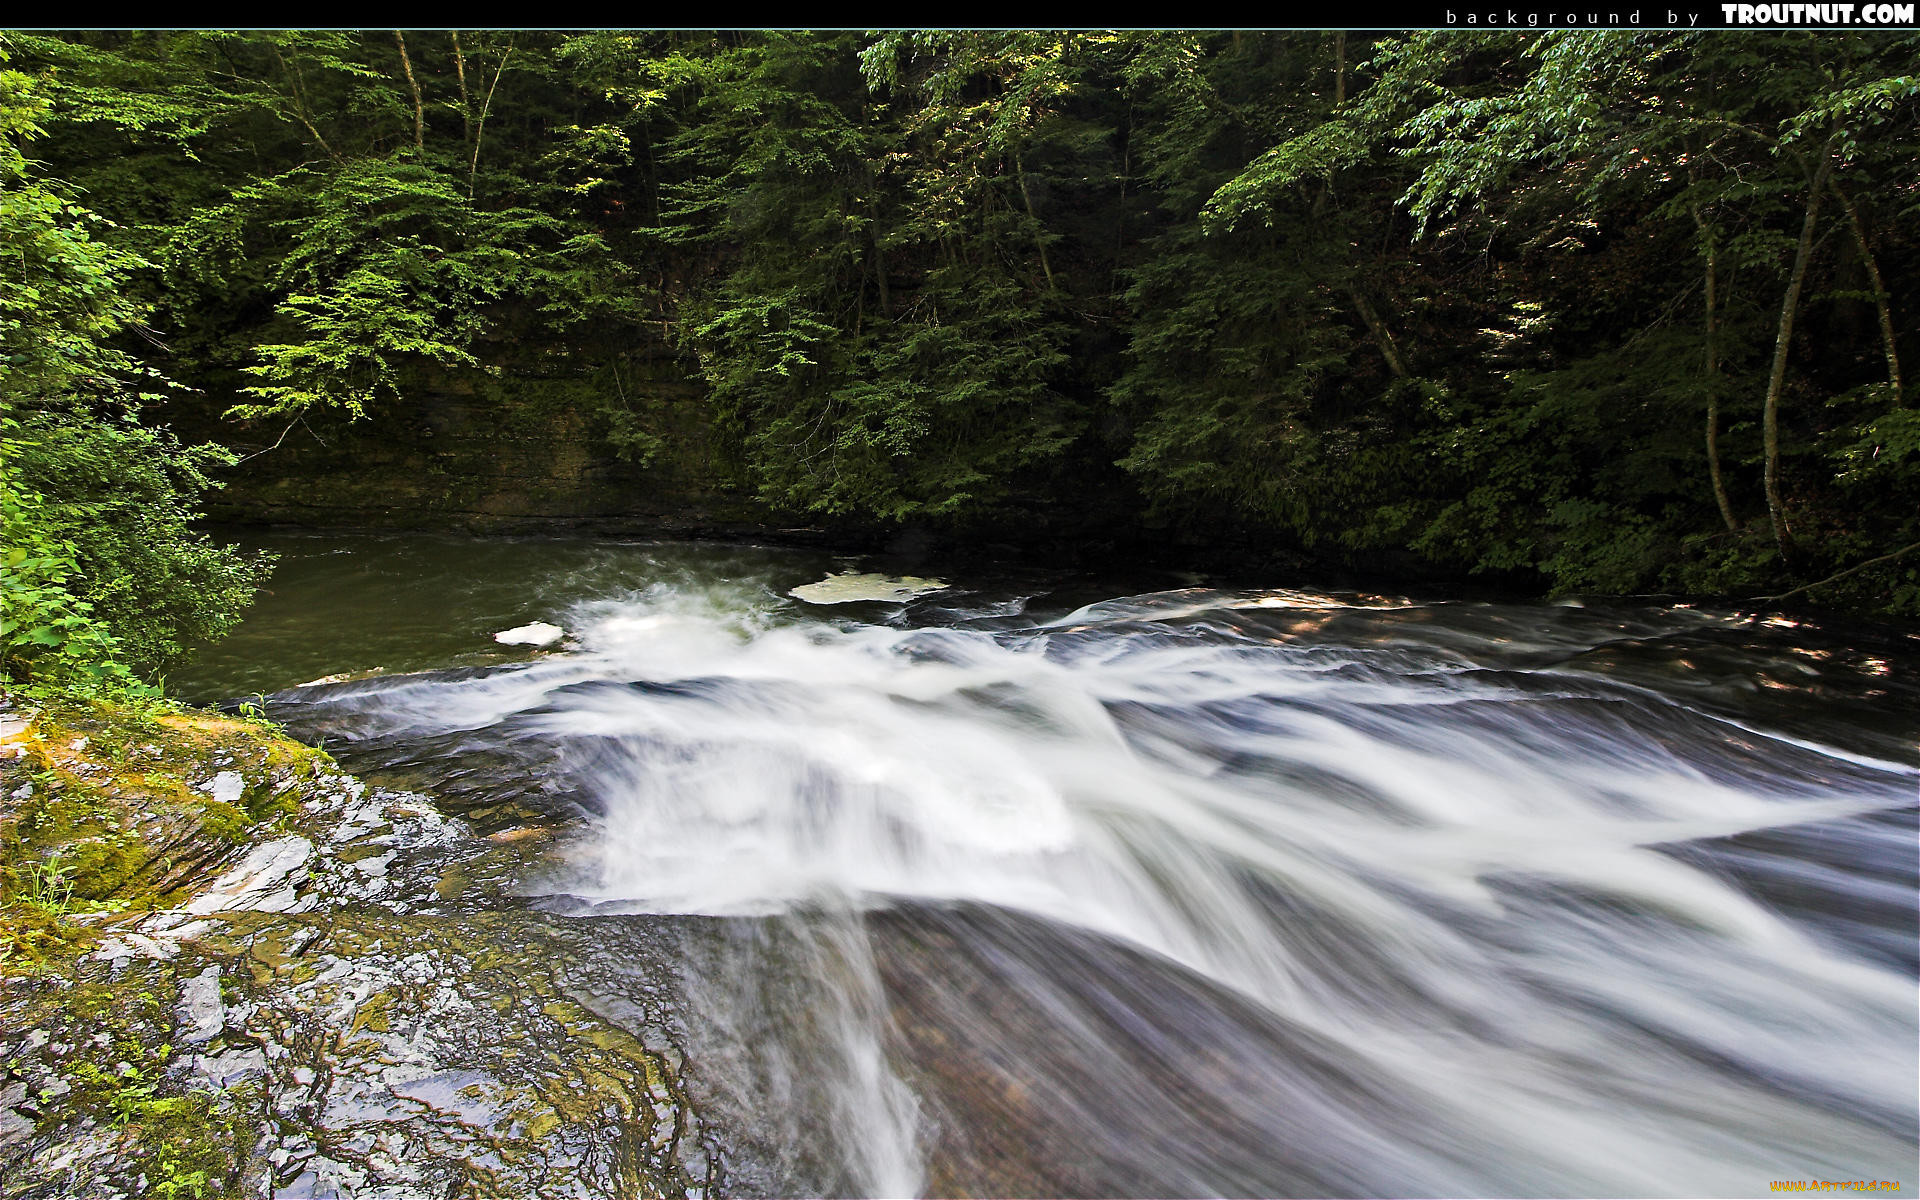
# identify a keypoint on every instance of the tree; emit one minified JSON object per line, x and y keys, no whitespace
{"x":104,"y":577}
{"x":1584,"y":148}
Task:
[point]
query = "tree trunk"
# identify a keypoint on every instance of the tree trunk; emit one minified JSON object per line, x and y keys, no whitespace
{"x":1789,"y":310}
{"x":413,"y":85}
{"x":1713,"y":375}
{"x":1039,"y":235}
{"x":1339,"y":68}
{"x":1881,"y":297}
{"x":878,"y":258}
{"x":480,"y":129}
{"x":466,"y":104}
{"x":300,"y":100}
{"x":1381,"y":334}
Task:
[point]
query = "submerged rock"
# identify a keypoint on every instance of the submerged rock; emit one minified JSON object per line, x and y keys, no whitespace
{"x":344,"y":677}
{"x":851,"y":588}
{"x":539,"y":633}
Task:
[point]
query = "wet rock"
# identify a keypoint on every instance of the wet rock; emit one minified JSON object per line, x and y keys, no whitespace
{"x":201,"y":1010}
{"x":127,"y":946}
{"x":234,"y":1066}
{"x":13,"y":1125}
{"x":265,"y":880}
{"x":851,"y":588}
{"x":319,"y":1016}
{"x":228,"y":787}
{"x":344,"y":677}
{"x":538,"y":633}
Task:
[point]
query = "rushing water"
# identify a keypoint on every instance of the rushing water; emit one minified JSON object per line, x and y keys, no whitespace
{"x":1185,"y":892}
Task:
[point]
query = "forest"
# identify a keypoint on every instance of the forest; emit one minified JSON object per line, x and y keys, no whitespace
{"x":1587,"y":312}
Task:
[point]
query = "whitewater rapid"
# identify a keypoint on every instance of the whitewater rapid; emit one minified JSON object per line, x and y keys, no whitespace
{"x":1506,"y":900}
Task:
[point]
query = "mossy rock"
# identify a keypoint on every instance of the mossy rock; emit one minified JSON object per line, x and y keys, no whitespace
{"x":305,"y":986}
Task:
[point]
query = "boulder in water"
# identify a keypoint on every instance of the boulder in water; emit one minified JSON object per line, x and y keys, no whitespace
{"x":537,"y":634}
{"x":850,"y":588}
{"x":344,"y":677}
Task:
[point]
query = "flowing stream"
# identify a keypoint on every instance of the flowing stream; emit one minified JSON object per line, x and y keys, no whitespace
{"x":1038,"y":887}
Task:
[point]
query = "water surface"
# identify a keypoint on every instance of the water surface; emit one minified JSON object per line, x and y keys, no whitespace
{"x":1037,"y":886}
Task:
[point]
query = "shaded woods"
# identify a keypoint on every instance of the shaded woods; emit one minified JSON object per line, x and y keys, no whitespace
{"x":1607,"y":312}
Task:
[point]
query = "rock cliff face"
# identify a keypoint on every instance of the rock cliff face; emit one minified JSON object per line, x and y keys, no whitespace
{"x":532,"y":447}
{"x":232,"y":970}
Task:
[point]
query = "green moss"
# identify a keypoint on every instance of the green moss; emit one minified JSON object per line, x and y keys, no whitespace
{"x":374,"y":1013}
{"x":224,"y":820}
{"x":111,"y":808}
{"x":542,"y":1124}
{"x":100,"y":812}
{"x":191,"y":1141}
{"x":188,"y":1142}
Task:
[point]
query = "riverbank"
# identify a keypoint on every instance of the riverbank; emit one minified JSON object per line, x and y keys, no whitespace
{"x":231,"y":969}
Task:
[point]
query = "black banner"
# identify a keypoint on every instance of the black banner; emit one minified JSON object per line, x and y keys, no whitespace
{"x":1869,"y":15}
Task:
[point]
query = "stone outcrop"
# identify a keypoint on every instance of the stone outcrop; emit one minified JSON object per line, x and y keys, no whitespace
{"x":341,"y":997}
{"x":531,"y":448}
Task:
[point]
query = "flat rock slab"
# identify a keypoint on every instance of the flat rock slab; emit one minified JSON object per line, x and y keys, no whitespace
{"x":539,"y":633}
{"x":353,"y":1008}
{"x":851,"y":588}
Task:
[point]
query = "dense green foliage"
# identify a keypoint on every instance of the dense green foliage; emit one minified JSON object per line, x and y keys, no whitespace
{"x":1597,"y":311}
{"x":104,"y":580}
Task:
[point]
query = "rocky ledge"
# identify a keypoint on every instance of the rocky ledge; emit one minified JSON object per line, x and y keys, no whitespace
{"x":229,"y":969}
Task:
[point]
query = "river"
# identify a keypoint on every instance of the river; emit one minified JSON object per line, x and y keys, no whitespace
{"x":1050,"y":885}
